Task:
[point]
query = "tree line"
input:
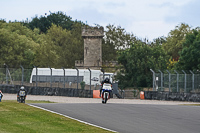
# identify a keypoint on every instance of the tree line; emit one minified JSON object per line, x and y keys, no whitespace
{"x":55,"y":41}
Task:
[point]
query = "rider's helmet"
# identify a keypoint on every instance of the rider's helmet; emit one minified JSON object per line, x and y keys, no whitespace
{"x":107,"y":80}
{"x":22,"y":88}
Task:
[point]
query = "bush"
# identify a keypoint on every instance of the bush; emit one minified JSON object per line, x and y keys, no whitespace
{"x":82,"y":85}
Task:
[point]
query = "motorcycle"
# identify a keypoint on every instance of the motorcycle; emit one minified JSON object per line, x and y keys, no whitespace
{"x":21,"y":97}
{"x":0,"y":97}
{"x":106,"y":90}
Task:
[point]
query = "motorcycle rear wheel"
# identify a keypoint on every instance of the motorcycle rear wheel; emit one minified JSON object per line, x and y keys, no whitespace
{"x":106,"y":98}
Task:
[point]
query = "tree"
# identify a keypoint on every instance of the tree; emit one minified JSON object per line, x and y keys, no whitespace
{"x":115,"y":39}
{"x":17,"y":44}
{"x":136,"y":63}
{"x":190,"y":54}
{"x":175,"y":39}
{"x":60,"y":48}
{"x":45,"y":22}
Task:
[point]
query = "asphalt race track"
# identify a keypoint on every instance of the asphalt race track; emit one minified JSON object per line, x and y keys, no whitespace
{"x":133,"y":118}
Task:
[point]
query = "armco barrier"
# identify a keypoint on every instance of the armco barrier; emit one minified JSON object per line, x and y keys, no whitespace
{"x":48,"y":91}
{"x":155,"y":95}
{"x":151,"y":95}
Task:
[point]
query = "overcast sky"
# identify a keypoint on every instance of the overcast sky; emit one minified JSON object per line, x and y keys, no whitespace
{"x":144,"y":18}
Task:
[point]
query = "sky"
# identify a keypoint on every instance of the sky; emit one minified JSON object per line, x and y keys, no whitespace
{"x":144,"y":18}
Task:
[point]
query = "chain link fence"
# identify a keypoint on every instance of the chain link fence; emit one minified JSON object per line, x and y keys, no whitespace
{"x":176,"y":85}
{"x":21,"y":76}
{"x":15,"y":76}
{"x":49,"y":83}
{"x":179,"y":82}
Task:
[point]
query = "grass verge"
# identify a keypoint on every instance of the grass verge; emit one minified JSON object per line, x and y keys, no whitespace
{"x":38,"y":101}
{"x":19,"y":117}
{"x":191,"y":104}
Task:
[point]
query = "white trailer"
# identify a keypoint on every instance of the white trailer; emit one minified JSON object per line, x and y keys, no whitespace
{"x":96,"y":75}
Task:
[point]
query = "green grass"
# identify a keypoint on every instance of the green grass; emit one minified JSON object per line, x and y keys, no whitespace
{"x":38,"y":101}
{"x":191,"y":104}
{"x":21,"y":118}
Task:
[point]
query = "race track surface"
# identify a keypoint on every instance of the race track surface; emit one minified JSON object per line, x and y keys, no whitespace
{"x":133,"y":118}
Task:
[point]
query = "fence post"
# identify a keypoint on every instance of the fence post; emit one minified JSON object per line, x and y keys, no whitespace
{"x":90,"y":79}
{"x":36,"y":77}
{"x":102,"y":72}
{"x":185,"y":81}
{"x":177,"y":81}
{"x":192,"y":80}
{"x":169,"y":80}
{"x":161,"y":79}
{"x":22,"y":74}
{"x":51,"y":77}
{"x":77,"y":76}
{"x":63,"y":77}
{"x":153,"y":79}
{"x":6,"y":73}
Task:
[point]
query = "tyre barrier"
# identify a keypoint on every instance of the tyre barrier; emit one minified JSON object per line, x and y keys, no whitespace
{"x":170,"y":96}
{"x":70,"y":92}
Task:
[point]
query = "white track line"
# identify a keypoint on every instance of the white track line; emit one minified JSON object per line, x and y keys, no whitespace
{"x":72,"y":118}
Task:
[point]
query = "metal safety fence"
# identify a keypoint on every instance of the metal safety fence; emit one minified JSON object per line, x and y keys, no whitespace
{"x":68,"y":82}
{"x":176,"y":81}
{"x":21,"y":76}
{"x":175,"y":85}
{"x":12,"y":78}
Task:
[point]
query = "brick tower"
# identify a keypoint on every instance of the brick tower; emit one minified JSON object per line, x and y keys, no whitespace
{"x":92,"y":48}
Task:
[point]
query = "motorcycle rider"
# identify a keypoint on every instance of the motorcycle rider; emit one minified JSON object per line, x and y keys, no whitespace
{"x":106,"y":80}
{"x":20,"y":92}
{"x":1,"y":95}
